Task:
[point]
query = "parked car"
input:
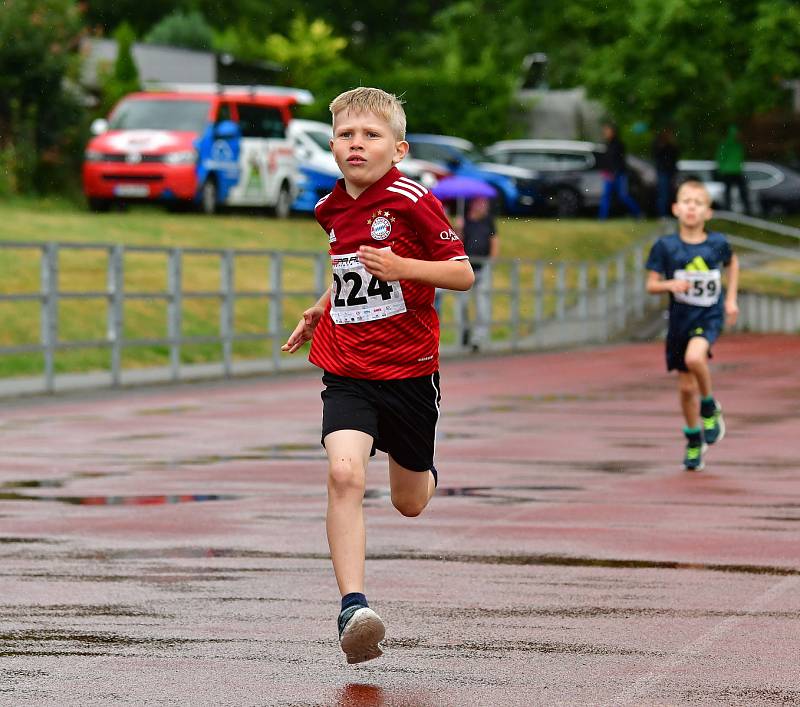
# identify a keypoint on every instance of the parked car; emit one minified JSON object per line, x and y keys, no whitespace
{"x":315,"y":160}
{"x":517,"y":187}
{"x":320,"y":172}
{"x":570,"y":178}
{"x":774,"y":188}
{"x":199,"y":147}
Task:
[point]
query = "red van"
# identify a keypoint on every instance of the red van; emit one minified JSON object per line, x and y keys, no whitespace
{"x":222,"y":147}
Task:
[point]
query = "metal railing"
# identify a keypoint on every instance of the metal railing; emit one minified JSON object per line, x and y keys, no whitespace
{"x":531,"y":305}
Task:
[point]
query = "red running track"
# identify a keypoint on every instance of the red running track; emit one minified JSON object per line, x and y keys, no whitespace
{"x":167,"y":546}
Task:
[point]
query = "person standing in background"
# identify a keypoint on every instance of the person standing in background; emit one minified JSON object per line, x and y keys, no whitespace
{"x":615,"y":174}
{"x":730,"y":163}
{"x":665,"y":157}
{"x":479,"y":234}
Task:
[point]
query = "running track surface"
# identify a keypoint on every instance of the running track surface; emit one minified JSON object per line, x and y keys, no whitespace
{"x":167,"y":546}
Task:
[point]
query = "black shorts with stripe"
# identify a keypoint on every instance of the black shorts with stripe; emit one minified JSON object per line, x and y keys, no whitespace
{"x":678,"y":338}
{"x":399,"y":414}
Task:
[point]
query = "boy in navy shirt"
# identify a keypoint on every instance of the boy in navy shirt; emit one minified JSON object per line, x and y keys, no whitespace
{"x":688,"y":264}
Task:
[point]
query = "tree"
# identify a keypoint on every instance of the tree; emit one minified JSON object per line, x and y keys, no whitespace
{"x":124,"y":78}
{"x":40,"y":117}
{"x":774,"y":54}
{"x":178,"y":29}
{"x":312,"y":54}
{"x":459,"y":77}
{"x":672,"y":63}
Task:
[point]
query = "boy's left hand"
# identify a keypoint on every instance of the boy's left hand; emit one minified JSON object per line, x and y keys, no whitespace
{"x":382,"y":263}
{"x":731,"y":312}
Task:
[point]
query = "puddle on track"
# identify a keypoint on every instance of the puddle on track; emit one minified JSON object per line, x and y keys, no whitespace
{"x":122,"y":500}
{"x":510,"y":559}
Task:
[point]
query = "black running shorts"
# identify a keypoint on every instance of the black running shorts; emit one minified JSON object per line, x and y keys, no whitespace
{"x":678,"y":340}
{"x":400,"y":415}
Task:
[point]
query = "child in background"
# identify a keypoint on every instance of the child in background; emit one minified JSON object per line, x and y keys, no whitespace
{"x":688,"y":265}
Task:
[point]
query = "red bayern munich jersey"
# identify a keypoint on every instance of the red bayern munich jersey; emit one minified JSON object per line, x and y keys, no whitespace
{"x":374,"y":329}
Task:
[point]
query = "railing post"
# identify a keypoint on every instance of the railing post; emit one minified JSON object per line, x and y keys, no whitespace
{"x":49,"y":312}
{"x":226,"y":323}
{"x":619,"y":303}
{"x":638,"y":281}
{"x":175,"y":310}
{"x":561,"y":291}
{"x":276,"y":306}
{"x":538,"y":293}
{"x":602,"y":296}
{"x":515,"y":304}
{"x":115,"y":286}
{"x":321,"y":269}
{"x":488,"y":301}
{"x":583,"y":291}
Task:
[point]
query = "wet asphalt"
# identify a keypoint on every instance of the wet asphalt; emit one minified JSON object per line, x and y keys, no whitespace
{"x":167,"y":546}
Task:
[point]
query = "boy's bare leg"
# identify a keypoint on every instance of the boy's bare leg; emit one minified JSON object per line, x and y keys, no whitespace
{"x":696,"y":358}
{"x":411,"y":490}
{"x":690,"y":401}
{"x":348,"y":455}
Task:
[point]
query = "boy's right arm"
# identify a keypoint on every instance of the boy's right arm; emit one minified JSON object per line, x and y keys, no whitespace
{"x":304,"y":331}
{"x":656,"y":284}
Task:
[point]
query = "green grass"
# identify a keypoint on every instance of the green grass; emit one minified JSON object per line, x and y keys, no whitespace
{"x":41,"y":220}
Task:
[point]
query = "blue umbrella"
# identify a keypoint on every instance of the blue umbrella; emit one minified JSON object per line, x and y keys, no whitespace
{"x":461,"y":188}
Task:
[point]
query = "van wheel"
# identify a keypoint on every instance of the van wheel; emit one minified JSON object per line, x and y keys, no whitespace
{"x":99,"y":206}
{"x":283,"y":206}
{"x":568,"y":203}
{"x":208,"y":197}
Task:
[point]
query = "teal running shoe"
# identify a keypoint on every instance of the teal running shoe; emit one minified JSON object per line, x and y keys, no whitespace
{"x":695,"y":449}
{"x":360,"y":633}
{"x":714,"y":426}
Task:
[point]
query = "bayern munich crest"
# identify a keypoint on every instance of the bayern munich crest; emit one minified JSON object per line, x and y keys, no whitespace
{"x":380,"y":225}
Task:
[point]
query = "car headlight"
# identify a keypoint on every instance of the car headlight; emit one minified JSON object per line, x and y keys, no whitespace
{"x":94,"y":156}
{"x":181,"y":157}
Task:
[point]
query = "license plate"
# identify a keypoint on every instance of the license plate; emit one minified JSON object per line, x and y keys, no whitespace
{"x":132,"y":190}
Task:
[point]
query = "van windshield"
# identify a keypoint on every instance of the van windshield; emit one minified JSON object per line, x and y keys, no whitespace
{"x":183,"y":115}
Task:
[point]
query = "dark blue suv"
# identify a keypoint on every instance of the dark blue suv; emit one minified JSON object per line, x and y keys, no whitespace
{"x":516,"y":186}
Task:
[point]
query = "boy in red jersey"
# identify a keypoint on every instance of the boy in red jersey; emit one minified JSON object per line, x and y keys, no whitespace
{"x":375,"y":334}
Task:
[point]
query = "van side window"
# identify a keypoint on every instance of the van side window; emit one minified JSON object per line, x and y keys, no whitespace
{"x":260,"y":121}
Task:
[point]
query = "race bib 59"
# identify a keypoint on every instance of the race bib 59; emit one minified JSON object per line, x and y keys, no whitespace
{"x":704,"y":287}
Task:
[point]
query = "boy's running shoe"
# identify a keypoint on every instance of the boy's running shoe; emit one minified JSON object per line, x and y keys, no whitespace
{"x":714,"y":426}
{"x":360,"y":632}
{"x":695,"y":449}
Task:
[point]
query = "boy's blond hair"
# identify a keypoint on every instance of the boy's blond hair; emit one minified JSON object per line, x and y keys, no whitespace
{"x":373,"y":100}
{"x":694,"y":184}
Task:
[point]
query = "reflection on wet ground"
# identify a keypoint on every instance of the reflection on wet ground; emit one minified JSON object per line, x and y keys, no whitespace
{"x":42,"y":642}
{"x":608,"y":466}
{"x":503,"y":647}
{"x":122,"y":500}
{"x":360,"y":695}
{"x":565,"y":560}
{"x":741,"y":696}
{"x":515,"y":494}
{"x":275,"y":452}
{"x":583,"y":612}
{"x":169,"y":410}
{"x":516,"y":559}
